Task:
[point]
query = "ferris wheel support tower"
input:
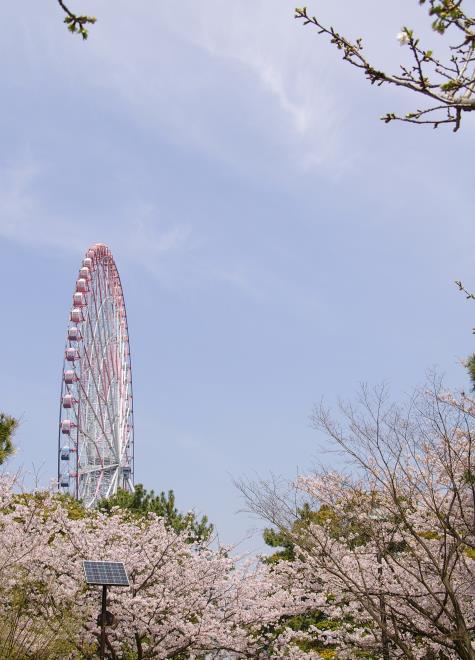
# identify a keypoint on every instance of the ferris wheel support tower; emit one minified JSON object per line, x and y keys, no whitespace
{"x":96,"y":429}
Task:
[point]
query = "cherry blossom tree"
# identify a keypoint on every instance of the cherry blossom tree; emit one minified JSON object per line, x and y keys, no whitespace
{"x":392,"y":562}
{"x":445,"y":84}
{"x":185,"y":601}
{"x":25,"y":532}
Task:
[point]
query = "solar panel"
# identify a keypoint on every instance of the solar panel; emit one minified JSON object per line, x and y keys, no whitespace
{"x":110,"y":573}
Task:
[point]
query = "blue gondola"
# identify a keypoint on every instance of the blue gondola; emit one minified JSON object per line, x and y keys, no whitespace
{"x":65,"y":451}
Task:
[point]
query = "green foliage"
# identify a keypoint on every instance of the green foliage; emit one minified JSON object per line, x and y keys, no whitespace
{"x":470,"y":364}
{"x":429,"y":535}
{"x":303,"y":623}
{"x":451,"y":86}
{"x":338,"y":527}
{"x":21,"y":627}
{"x":446,"y":13}
{"x":75,"y":508}
{"x":278,"y":540}
{"x":77,"y":23}
{"x":7,"y":429}
{"x":141,"y":502}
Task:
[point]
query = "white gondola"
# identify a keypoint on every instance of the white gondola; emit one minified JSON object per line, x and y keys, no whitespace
{"x":78,"y":299}
{"x":68,"y":401}
{"x":81,"y":285}
{"x":70,"y":377}
{"x":71,"y":354}
{"x":66,"y":426}
{"x":76,"y":315}
{"x":73,"y":334}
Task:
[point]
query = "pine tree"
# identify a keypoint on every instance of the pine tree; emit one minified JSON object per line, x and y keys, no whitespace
{"x":7,"y":429}
{"x":141,"y":502}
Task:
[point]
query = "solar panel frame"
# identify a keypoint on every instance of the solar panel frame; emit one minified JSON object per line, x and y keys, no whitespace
{"x":108,"y":573}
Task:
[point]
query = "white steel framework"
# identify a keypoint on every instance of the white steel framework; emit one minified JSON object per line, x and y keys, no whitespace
{"x":96,"y":441}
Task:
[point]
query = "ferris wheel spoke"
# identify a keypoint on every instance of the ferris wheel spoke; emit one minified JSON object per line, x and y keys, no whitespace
{"x":113,"y":483}
{"x":99,"y":354}
{"x":92,"y":444}
{"x":92,"y":409}
{"x":89,"y":378}
{"x":99,"y":418}
{"x":91,"y":470}
{"x":97,"y":333}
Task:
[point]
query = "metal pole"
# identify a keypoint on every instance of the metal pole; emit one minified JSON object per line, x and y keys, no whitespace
{"x":103,"y":622}
{"x":382,"y":609}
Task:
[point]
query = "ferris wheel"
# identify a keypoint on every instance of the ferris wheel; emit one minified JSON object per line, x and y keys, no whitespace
{"x":96,"y":432}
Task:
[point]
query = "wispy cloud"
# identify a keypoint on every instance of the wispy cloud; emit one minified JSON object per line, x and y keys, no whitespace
{"x":143,"y":238}
{"x":218,"y":81}
{"x":23,"y":216}
{"x":265,"y":40}
{"x":168,"y":249}
{"x":26,"y":217}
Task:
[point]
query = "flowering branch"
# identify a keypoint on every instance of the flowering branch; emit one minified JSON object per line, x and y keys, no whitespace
{"x":77,"y":23}
{"x":448,"y":86}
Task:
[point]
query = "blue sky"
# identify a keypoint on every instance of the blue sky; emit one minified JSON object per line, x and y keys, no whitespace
{"x":276,"y":242}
